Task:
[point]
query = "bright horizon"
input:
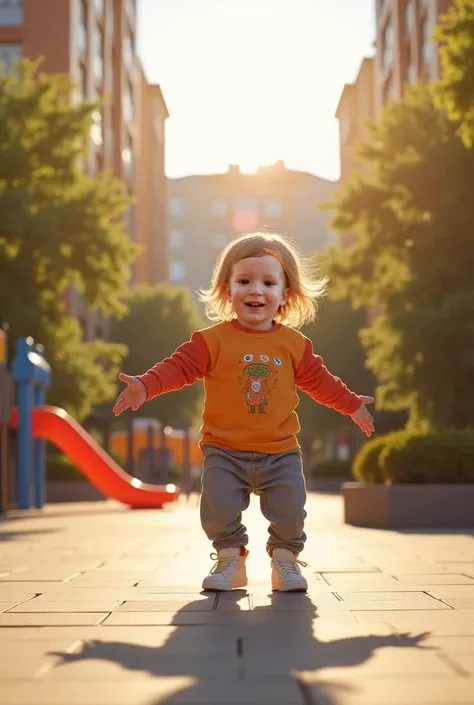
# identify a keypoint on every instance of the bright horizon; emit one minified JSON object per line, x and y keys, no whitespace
{"x":250,"y":82}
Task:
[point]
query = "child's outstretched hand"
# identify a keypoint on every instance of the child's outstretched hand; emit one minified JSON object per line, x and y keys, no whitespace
{"x":132,"y":397}
{"x":363,"y":418}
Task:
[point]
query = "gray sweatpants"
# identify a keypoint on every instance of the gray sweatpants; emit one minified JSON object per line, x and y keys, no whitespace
{"x":228,"y":479}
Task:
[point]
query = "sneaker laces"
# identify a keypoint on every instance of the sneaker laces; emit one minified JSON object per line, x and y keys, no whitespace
{"x":223,"y":565}
{"x":290,"y":566}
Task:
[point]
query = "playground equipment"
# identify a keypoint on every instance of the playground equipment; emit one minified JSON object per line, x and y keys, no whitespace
{"x":32,"y":375}
{"x":174,"y":447}
{"x":36,"y":423}
{"x":6,"y":403}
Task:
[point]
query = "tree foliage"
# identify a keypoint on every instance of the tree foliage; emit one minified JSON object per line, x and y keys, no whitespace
{"x":160,"y":319}
{"x":413,"y":257}
{"x":455,"y":90}
{"x":58,"y":227}
{"x":335,"y":336}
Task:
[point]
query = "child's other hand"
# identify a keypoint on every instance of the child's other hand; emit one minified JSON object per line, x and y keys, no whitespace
{"x":363,"y":418}
{"x":132,"y":397}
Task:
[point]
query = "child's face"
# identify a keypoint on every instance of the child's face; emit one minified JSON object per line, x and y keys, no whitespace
{"x":256,"y":290}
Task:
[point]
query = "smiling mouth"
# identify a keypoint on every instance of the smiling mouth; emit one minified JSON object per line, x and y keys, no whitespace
{"x":254,"y":304}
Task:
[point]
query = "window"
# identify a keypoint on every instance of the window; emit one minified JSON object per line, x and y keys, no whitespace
{"x":11,"y":12}
{"x":127,"y":103}
{"x":219,"y":240}
{"x":177,"y":271}
{"x":176,"y":239}
{"x":387,"y":45}
{"x":411,"y":73}
{"x":246,"y":204}
{"x":176,"y":206}
{"x":98,"y":53}
{"x":96,"y":132}
{"x":82,"y":27}
{"x":273,"y":208}
{"x":409,"y":16}
{"x":10,"y":55}
{"x":219,"y":208}
{"x":425,"y":43}
{"x":388,"y":90}
{"x":130,"y":7}
{"x":128,"y":52}
{"x":127,"y":162}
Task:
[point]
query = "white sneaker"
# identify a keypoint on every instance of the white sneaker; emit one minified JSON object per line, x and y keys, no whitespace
{"x":286,"y":573}
{"x":229,"y":570}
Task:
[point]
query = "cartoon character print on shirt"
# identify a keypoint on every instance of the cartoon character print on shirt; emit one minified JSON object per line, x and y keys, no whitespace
{"x":258,"y":381}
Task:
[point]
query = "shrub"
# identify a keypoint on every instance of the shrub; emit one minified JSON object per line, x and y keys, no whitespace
{"x":333,"y":468}
{"x":442,"y":457}
{"x":366,"y":465}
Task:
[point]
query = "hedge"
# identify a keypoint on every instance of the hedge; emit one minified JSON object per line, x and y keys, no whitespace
{"x":366,"y":465}
{"x":442,"y":457}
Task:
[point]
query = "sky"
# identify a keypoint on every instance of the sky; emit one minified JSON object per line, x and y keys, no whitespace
{"x":250,"y":82}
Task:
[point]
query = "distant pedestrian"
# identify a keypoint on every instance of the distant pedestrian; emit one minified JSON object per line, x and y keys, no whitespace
{"x":253,"y":361}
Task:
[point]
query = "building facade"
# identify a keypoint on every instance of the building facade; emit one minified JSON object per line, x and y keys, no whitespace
{"x":404,"y":51}
{"x":355,"y":108}
{"x":95,"y":42}
{"x":207,"y":211}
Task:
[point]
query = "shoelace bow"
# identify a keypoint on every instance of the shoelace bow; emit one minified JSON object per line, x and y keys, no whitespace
{"x":222,"y":564}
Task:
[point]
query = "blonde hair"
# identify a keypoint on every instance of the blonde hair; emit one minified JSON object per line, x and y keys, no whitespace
{"x":303,"y":279}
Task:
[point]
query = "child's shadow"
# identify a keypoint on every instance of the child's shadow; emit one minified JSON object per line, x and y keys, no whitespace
{"x":236,"y":649}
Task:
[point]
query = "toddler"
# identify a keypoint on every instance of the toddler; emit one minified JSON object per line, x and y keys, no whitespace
{"x":252,"y":361}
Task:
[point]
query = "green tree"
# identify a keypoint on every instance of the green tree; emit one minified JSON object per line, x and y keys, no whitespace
{"x":413,"y":257}
{"x":335,"y":336}
{"x":160,"y":318}
{"x":58,"y":227}
{"x":455,"y":90}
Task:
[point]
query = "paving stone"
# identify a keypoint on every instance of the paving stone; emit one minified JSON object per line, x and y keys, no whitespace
{"x":457,"y":591}
{"x":361,"y":581}
{"x":439,"y":579}
{"x":437,"y":622}
{"x":466,"y":603}
{"x":141,"y":691}
{"x":409,"y":690}
{"x":37,"y":606}
{"x":415,"y":603}
{"x":401,"y":595}
{"x":235,"y":601}
{"x":35,"y":575}
{"x":10,"y":619}
{"x":294,"y":601}
{"x":152,"y":665}
{"x":167,"y":606}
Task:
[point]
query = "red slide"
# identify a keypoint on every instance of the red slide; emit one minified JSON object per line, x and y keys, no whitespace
{"x":55,"y":425}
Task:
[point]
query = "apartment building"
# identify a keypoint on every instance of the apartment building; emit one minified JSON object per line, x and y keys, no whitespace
{"x":207,"y":211}
{"x":404,"y":51}
{"x":355,"y":108}
{"x":95,"y":42}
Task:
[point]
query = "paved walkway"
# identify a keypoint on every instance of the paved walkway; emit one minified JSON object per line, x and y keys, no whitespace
{"x":102,"y":605}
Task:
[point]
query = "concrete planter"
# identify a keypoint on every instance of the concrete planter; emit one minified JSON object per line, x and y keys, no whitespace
{"x":73,"y":491}
{"x":408,"y":506}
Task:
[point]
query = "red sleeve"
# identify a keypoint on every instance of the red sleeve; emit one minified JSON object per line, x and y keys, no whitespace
{"x":188,"y":363}
{"x":315,"y":379}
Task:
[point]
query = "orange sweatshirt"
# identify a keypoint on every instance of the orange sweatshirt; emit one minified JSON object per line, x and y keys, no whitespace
{"x":250,"y":378}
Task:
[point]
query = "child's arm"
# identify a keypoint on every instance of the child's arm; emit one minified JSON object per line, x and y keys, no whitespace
{"x":188,"y":363}
{"x":314,"y":378}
